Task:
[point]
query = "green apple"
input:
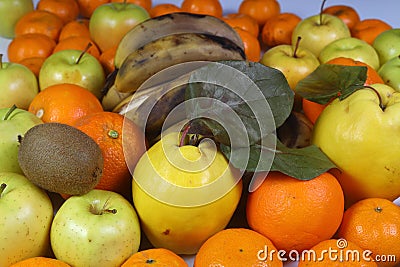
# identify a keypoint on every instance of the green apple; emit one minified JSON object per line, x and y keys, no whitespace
{"x":360,"y":134}
{"x":317,"y":31}
{"x":184,"y":193}
{"x":18,"y":85}
{"x":293,"y":61}
{"x":27,"y":213}
{"x":110,"y":22}
{"x":99,"y":228}
{"x":351,"y":47}
{"x":14,"y":122}
{"x":73,"y":66}
{"x":390,"y":72}
{"x":387,"y":44}
{"x":10,"y":12}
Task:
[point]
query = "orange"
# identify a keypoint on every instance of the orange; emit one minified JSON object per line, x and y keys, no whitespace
{"x":40,"y":262}
{"x":206,"y":7}
{"x":30,"y":45}
{"x":146,"y":4}
{"x":237,"y":247}
{"x":156,"y":257}
{"x":346,"y":13}
{"x":296,"y":214}
{"x":40,"y":21}
{"x":260,"y":10}
{"x":78,"y":27}
{"x":242,"y":21}
{"x":108,"y":130}
{"x":67,"y":10}
{"x":252,"y":47}
{"x":278,"y":29}
{"x":87,"y":7}
{"x":33,"y":63}
{"x":64,"y":103}
{"x":107,"y":59}
{"x":343,"y":253}
{"x":78,"y":43}
{"x":374,"y":224}
{"x":163,"y":9}
{"x":312,"y":110}
{"x":369,"y":29}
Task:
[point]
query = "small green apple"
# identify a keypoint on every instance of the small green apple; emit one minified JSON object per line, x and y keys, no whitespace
{"x":360,"y":134}
{"x":387,"y":45}
{"x":73,"y":66}
{"x":99,"y":229}
{"x":14,"y":122}
{"x":10,"y":12}
{"x":27,"y":213}
{"x":318,"y":31}
{"x":178,"y":188}
{"x":110,"y":22}
{"x":18,"y":85}
{"x":390,"y":72}
{"x":351,"y":47}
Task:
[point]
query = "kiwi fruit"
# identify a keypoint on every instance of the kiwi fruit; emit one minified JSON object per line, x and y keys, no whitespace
{"x":60,"y":158}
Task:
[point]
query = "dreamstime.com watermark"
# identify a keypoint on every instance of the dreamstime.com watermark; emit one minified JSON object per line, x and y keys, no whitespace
{"x":339,"y":253}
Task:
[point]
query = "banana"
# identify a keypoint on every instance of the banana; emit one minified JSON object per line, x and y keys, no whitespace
{"x":112,"y":98}
{"x":150,"y":105}
{"x":158,"y":27}
{"x":170,"y":50}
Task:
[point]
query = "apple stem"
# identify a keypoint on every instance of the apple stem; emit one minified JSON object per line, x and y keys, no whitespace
{"x":1,"y":61}
{"x":9,"y":112}
{"x":2,"y":188}
{"x":321,"y":11}
{"x":83,"y":52}
{"x":379,"y":97}
{"x":296,"y":46}
{"x":184,"y":134}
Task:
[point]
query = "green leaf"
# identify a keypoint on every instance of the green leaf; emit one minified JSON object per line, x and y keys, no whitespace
{"x":329,"y":81}
{"x":260,"y":96}
{"x":301,"y":163}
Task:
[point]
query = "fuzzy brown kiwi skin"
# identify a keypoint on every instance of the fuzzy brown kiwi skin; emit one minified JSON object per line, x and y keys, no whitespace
{"x":60,"y":158}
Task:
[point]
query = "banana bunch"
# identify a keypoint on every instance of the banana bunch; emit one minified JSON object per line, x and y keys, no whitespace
{"x":154,"y":60}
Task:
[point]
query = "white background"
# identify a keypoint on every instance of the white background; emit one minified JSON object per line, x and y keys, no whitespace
{"x":387,"y":10}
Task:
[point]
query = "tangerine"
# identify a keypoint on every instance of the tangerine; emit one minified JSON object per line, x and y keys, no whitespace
{"x":146,"y":4}
{"x":279,"y":28}
{"x":260,"y":10}
{"x":40,"y":262}
{"x":242,"y":21}
{"x":369,"y":29}
{"x":87,"y":7}
{"x":374,"y":224}
{"x":33,"y":63}
{"x":67,"y":10}
{"x":236,"y":247}
{"x":40,"y":21}
{"x":78,"y":43}
{"x":78,"y":27}
{"x":346,"y":13}
{"x":163,"y":9}
{"x":296,"y":214}
{"x":108,"y":129}
{"x":345,"y":253}
{"x":205,"y":7}
{"x":252,"y":47}
{"x":30,"y":45}
{"x":64,"y":103}
{"x":155,"y":257}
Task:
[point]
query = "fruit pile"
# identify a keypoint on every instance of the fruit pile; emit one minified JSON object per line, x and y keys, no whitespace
{"x":137,"y":134}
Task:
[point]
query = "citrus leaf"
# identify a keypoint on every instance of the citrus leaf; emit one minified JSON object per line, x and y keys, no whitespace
{"x":301,"y":163}
{"x":330,"y":81}
{"x":260,"y":96}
